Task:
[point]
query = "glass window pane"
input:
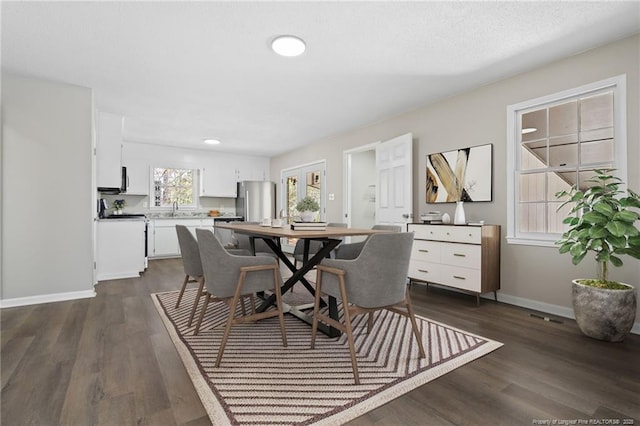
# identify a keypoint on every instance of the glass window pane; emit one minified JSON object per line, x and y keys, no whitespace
{"x":563,"y":119}
{"x":585,"y":175}
{"x":533,"y":158}
{"x":534,"y":125}
{"x":531,"y":217}
{"x":556,"y":217}
{"x":292,"y":197}
{"x":596,"y":151}
{"x":596,"y":112}
{"x":559,"y":181}
{"x":532,"y":187}
{"x":563,"y":151}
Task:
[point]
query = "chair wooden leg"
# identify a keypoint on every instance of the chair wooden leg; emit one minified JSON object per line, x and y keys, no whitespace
{"x":369,"y":322}
{"x":347,"y":323}
{"x":184,"y":286}
{"x":316,"y":308}
{"x":204,"y":309}
{"x":414,"y":325}
{"x":276,"y":273}
{"x":197,"y":301}
{"x":232,"y":313}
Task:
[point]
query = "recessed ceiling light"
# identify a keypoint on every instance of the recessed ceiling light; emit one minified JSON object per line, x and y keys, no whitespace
{"x":528,"y":130}
{"x":212,"y":141}
{"x":288,"y":45}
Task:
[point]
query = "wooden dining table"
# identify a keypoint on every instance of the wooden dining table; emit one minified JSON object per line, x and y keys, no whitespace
{"x":330,"y":238}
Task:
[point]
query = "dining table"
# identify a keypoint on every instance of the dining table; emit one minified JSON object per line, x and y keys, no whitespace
{"x":330,"y":237}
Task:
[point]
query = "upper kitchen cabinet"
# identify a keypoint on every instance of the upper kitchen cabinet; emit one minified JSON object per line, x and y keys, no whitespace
{"x":138,"y":171}
{"x":109,"y":150}
{"x":253,"y":168}
{"x":218,"y":179}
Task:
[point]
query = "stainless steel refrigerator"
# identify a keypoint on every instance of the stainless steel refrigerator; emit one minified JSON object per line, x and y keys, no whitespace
{"x":256,"y":200}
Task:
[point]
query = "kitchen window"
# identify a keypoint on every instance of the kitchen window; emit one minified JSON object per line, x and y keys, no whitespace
{"x":172,"y":185}
{"x":556,"y":142}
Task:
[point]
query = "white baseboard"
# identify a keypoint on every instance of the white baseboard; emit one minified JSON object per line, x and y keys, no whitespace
{"x":561,"y":311}
{"x":46,"y":298}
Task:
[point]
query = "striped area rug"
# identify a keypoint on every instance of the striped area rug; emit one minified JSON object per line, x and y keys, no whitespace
{"x":260,"y":382}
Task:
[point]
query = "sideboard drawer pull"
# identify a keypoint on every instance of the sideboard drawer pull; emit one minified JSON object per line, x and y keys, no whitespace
{"x":459,"y":254}
{"x":423,"y":270}
{"x":459,"y":278}
{"x":423,"y":251}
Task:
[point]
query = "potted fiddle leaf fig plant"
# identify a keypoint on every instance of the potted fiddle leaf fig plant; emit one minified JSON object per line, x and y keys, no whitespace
{"x":307,"y":208}
{"x":602,"y":220}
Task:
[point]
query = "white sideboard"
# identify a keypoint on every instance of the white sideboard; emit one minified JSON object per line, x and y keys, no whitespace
{"x":458,"y":256}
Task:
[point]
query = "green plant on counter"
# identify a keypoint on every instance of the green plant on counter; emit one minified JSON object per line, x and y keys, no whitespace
{"x":603,"y":221}
{"x":119,"y":204}
{"x":307,"y":204}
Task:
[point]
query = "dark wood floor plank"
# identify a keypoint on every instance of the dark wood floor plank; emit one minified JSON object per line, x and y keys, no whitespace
{"x":109,"y":360}
{"x":117,"y":410}
{"x":13,"y":352}
{"x":180,"y":390}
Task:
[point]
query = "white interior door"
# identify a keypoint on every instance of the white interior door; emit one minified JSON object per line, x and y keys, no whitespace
{"x":394,"y":189}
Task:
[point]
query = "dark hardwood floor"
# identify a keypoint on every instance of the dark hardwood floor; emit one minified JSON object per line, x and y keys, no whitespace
{"x":109,"y":361}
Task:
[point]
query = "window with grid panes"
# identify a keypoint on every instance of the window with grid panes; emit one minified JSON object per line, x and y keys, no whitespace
{"x":557,"y":142}
{"x":174,"y":185}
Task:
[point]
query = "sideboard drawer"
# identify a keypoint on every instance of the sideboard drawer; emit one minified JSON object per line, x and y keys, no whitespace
{"x":462,"y":278}
{"x":465,"y":255}
{"x":425,"y":271}
{"x":458,"y":234}
{"x":428,"y":251}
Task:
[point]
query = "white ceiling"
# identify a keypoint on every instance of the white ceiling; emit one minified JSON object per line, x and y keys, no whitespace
{"x":183,"y":71}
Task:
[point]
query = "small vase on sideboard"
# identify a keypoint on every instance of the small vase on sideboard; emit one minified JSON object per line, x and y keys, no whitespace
{"x":458,"y":217}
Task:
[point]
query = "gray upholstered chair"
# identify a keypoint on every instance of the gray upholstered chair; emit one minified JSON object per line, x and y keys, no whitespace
{"x":314,"y":246}
{"x":192,"y":265}
{"x":375,"y":280}
{"x":352,"y":250}
{"x":228,"y":277}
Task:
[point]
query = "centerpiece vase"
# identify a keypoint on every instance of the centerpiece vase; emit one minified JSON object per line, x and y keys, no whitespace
{"x":307,"y":216}
{"x":458,"y":217}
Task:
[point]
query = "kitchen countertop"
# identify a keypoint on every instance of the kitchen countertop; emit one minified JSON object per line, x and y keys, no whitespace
{"x":190,"y":216}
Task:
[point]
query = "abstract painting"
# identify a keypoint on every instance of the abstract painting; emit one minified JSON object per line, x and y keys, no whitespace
{"x":460,"y":175}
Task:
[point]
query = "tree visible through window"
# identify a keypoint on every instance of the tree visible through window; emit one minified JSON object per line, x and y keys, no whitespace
{"x":173,"y":185}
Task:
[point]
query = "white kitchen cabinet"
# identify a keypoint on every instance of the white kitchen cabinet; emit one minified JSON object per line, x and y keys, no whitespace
{"x":138,"y":170}
{"x":165,"y":238}
{"x":108,"y":150}
{"x":462,"y":257}
{"x":253,"y":168}
{"x":119,"y":249}
{"x":218,"y":180}
{"x":138,"y":174}
{"x":165,"y":241}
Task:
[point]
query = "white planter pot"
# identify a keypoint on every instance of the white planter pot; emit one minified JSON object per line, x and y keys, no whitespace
{"x":604,"y":314}
{"x":307,"y":216}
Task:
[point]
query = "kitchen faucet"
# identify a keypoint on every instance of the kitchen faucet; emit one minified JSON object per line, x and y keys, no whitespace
{"x":174,"y":207}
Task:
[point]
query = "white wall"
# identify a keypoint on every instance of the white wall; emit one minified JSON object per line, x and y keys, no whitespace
{"x":48,"y":196}
{"x":538,"y":276}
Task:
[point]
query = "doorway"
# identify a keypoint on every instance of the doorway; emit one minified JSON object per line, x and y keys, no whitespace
{"x":379,"y":183}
